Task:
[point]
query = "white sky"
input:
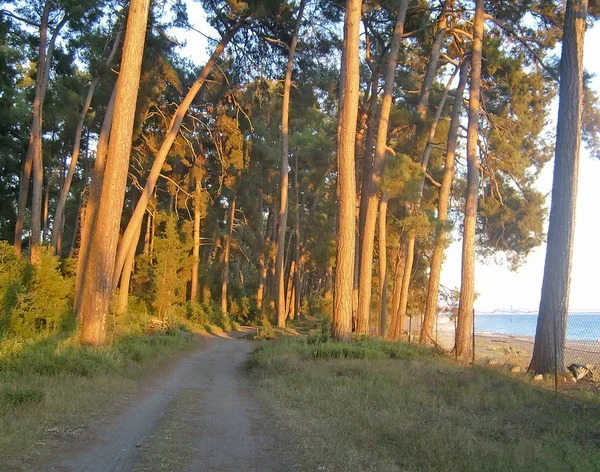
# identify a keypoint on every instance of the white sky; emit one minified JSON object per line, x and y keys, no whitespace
{"x":497,"y":286}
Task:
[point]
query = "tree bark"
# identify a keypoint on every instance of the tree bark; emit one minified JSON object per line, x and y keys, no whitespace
{"x":36,"y":131}
{"x":90,"y":212}
{"x":383,"y":275}
{"x":226,"y":256}
{"x":431,"y":304}
{"x":414,"y":209}
{"x":464,"y":330}
{"x":98,"y":287}
{"x":35,"y":137}
{"x":346,"y":184}
{"x":436,"y":49}
{"x":370,"y":220}
{"x":138,"y":214}
{"x":548,"y":351}
{"x":196,"y":247}
{"x":283,"y":208}
{"x":66,"y":187}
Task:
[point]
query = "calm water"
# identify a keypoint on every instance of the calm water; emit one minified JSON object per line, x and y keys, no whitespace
{"x":583,"y":327}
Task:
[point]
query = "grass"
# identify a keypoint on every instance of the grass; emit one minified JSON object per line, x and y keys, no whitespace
{"x":379,"y":406}
{"x":52,"y":389}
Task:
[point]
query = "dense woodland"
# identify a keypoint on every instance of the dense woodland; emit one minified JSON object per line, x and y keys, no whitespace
{"x":321,"y":160}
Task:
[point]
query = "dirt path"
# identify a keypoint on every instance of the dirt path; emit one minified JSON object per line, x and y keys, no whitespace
{"x":199,"y":416}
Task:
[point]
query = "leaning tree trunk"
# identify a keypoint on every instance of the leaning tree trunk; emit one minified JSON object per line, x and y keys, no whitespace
{"x":370,"y":218}
{"x":346,"y":184}
{"x":229,"y":235}
{"x":64,"y":191}
{"x":138,"y":214}
{"x":35,"y":137}
{"x":548,"y":350}
{"x":464,"y":330}
{"x":283,"y":209}
{"x":431,"y":304}
{"x":97,"y":290}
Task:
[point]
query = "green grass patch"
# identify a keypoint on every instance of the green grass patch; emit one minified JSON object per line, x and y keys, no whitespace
{"x":380,"y":406}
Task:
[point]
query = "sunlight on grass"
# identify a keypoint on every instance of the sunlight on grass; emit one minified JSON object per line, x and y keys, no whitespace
{"x":380,"y":406}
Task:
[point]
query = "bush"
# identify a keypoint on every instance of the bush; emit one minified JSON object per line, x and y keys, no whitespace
{"x":42,"y":303}
{"x":12,"y":273}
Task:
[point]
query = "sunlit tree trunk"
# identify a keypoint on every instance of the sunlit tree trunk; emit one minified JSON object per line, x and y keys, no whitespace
{"x":346,"y":178}
{"x":90,"y":211}
{"x":415,"y":207}
{"x":34,"y":149}
{"x":372,"y":189}
{"x":66,"y":186}
{"x":283,"y":208}
{"x":196,"y":247}
{"x":226,"y":251}
{"x":98,"y":287}
{"x":383,"y":275}
{"x":431,"y":304}
{"x":36,"y":132}
{"x":548,"y":351}
{"x":138,"y":214}
{"x":467,"y":286}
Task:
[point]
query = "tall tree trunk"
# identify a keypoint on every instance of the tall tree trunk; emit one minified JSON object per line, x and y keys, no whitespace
{"x":36,"y":131}
{"x":196,"y":247}
{"x":90,"y":212}
{"x":400,"y":312}
{"x":226,"y":256}
{"x":138,"y":214}
{"x":35,"y":137}
{"x":297,"y":291}
{"x":399,"y":274}
{"x":548,"y":351}
{"x":370,"y":220}
{"x":123,"y":296}
{"x":436,"y":49}
{"x":464,"y":328}
{"x":45,"y":209}
{"x":148,"y":233}
{"x":431,"y":304}
{"x":283,"y":208}
{"x":383,"y":275}
{"x":64,"y":191}
{"x":289,"y":305}
{"x":346,"y":184}
{"x":98,"y":287}
{"x":416,"y":206}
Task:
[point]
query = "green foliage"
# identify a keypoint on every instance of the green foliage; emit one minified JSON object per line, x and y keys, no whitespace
{"x":37,"y":300}
{"x":170,"y":271}
{"x":207,"y":314}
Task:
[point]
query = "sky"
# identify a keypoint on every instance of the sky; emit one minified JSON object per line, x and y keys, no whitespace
{"x":497,"y":287}
{"x":500,"y":289}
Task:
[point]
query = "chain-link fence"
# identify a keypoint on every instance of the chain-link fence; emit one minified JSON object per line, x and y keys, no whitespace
{"x":507,"y":338}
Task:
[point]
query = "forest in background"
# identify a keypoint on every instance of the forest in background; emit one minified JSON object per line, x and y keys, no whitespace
{"x":225,"y":193}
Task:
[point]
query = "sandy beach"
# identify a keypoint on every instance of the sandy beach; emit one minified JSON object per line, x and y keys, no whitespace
{"x":503,"y":349}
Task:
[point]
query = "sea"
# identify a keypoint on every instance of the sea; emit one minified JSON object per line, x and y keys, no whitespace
{"x":580,"y":326}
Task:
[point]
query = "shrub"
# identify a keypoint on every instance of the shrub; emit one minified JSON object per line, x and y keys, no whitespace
{"x":42,"y":305}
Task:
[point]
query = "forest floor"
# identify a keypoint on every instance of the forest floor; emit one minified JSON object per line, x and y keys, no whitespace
{"x":196,"y":413}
